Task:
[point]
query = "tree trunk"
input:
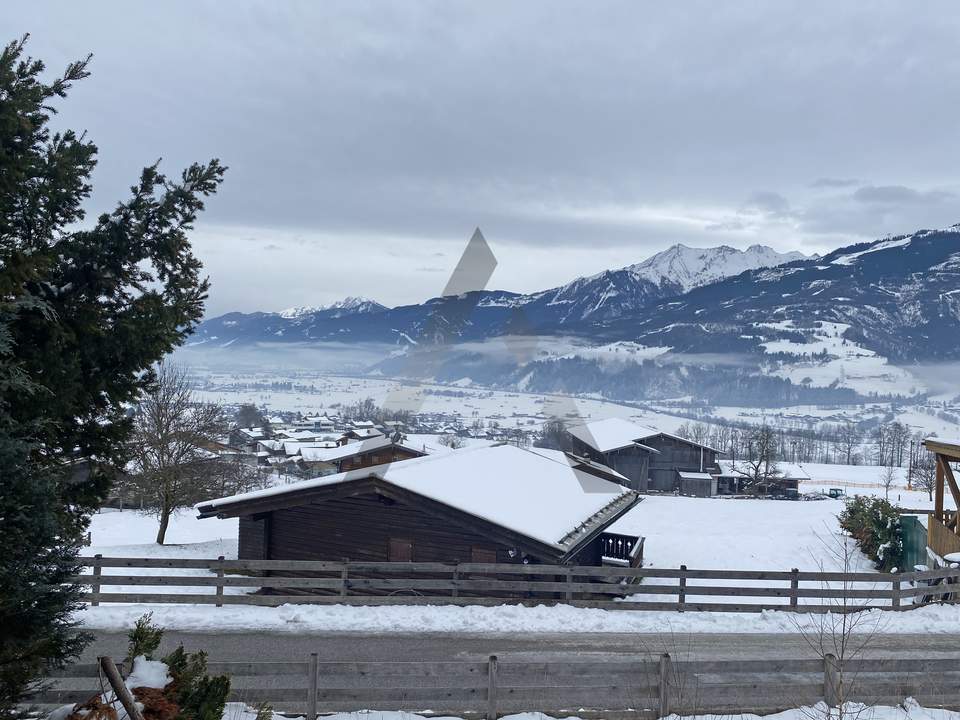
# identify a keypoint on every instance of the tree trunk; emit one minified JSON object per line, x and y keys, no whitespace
{"x":164,"y":521}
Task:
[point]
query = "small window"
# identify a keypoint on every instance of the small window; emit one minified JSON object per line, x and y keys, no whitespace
{"x":400,"y":550}
{"x":482,"y":555}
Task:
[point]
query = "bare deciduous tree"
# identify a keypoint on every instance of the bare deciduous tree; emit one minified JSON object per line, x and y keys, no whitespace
{"x":925,"y":473}
{"x":887,"y":478}
{"x":174,"y":465}
{"x":760,"y":464}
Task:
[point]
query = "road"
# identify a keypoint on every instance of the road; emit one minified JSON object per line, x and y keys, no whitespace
{"x":226,"y":647}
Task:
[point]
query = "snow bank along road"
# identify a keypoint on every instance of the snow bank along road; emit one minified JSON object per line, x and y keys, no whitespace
{"x":360,"y":647}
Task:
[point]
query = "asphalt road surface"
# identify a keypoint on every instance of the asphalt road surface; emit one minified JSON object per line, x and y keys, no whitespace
{"x":265,"y":647}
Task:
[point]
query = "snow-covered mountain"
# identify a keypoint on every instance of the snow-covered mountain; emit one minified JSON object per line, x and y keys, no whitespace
{"x":674,"y":271}
{"x":603,"y":297}
{"x":341,"y":308}
{"x":813,"y":330}
{"x":692,"y":267}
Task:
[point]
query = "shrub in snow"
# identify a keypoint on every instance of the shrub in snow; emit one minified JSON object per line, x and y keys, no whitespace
{"x":875,"y":525}
{"x":145,"y":637}
{"x":175,"y":688}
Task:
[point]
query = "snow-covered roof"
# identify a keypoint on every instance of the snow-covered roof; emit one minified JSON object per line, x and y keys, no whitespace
{"x":539,"y":493}
{"x":611,"y":434}
{"x":694,"y":475}
{"x":333,"y":454}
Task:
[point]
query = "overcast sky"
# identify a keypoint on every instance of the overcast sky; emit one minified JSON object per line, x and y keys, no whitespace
{"x":366,"y":141}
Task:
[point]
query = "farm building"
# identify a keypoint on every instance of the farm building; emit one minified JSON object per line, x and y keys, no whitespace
{"x":649,"y":458}
{"x":734,"y":478}
{"x":496,"y":503}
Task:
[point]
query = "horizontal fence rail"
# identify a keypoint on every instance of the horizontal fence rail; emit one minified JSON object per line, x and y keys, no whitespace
{"x":222,"y":582}
{"x":646,"y":686}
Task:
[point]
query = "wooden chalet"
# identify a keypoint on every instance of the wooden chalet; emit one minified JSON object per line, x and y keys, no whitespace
{"x":490,"y":504}
{"x":356,"y":455}
{"x":649,"y":458}
{"x":943,"y":528}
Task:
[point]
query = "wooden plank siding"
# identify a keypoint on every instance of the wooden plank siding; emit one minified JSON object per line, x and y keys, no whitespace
{"x":361,"y":528}
{"x":676,"y":455}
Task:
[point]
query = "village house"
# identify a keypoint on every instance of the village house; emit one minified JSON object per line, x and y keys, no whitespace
{"x":651,"y":459}
{"x":333,"y":458}
{"x":488,"y":504}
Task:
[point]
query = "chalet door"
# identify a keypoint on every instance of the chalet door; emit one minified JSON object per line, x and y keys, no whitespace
{"x":400,"y":550}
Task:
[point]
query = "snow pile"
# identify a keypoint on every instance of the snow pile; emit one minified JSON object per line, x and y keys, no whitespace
{"x":498,"y":620}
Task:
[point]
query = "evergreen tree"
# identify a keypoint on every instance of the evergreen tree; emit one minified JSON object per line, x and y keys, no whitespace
{"x":84,"y":316}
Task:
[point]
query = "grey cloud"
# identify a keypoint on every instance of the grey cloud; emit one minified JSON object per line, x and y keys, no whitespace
{"x":765,"y":201}
{"x":360,"y":121}
{"x":899,"y":195}
{"x":828,"y":182}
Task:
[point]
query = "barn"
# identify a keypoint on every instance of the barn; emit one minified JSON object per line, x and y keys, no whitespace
{"x":496,"y":503}
{"x":649,"y":458}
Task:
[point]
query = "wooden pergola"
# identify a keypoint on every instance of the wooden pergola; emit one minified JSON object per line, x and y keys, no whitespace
{"x":943,"y":529}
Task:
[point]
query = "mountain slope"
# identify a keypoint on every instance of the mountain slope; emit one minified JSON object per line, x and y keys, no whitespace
{"x":605,"y":296}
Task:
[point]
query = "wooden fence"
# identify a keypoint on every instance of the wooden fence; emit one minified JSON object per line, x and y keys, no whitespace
{"x":632,"y":687}
{"x":277,"y":582}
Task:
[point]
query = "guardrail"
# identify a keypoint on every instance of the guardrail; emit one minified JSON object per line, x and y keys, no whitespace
{"x":278,"y":582}
{"x":632,"y":687}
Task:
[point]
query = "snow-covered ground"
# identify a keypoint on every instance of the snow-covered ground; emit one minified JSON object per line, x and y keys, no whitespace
{"x":702,"y":533}
{"x":738,"y":534}
{"x":909,"y":710}
{"x":319,"y":392}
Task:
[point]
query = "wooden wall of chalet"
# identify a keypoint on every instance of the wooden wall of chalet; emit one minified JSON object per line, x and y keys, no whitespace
{"x":376,"y":457}
{"x":675,"y":455}
{"x":367,"y":527}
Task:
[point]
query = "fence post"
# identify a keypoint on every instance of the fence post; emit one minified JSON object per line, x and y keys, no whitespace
{"x":220,"y":581}
{"x":682,"y":595}
{"x":492,"y":688}
{"x":120,"y":688}
{"x":95,"y":585}
{"x":663,"y":686}
{"x":895,"y":593}
{"x":831,"y":680}
{"x":343,"y":578}
{"x":568,"y":595}
{"x":456,"y":579}
{"x":794,"y":588}
{"x":312,"y":687}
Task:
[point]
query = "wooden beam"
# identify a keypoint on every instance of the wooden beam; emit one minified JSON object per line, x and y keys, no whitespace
{"x":938,"y":493}
{"x":950,"y":450}
{"x":944,"y":464}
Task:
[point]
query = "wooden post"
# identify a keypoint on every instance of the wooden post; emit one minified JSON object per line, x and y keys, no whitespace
{"x":312,"y":687}
{"x":343,"y":578}
{"x":895,"y":593}
{"x":794,"y":588}
{"x":831,"y":681}
{"x":568,"y":594}
{"x":95,"y":585}
{"x":220,"y":581}
{"x":938,"y":493}
{"x":456,"y":579}
{"x":682,"y":596}
{"x":120,"y":688}
{"x":492,"y":688}
{"x":663,"y":685}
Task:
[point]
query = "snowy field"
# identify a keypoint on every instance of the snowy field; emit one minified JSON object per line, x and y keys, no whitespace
{"x":319,"y":392}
